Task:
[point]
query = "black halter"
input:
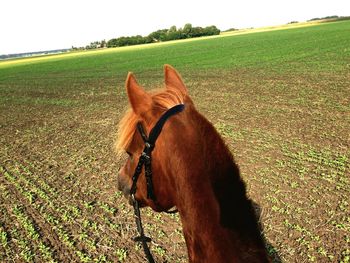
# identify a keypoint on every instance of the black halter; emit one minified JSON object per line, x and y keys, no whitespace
{"x":146,"y":160}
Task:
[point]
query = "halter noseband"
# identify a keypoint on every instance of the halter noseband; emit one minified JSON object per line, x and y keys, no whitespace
{"x":146,"y":160}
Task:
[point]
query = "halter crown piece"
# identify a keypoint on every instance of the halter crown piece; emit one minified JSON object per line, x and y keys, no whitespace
{"x":146,"y":160}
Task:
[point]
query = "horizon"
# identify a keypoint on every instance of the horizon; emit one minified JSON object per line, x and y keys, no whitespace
{"x":37,"y":27}
{"x":51,"y":51}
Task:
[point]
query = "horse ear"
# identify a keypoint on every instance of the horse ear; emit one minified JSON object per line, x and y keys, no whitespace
{"x":139,"y":99}
{"x":173,"y":80}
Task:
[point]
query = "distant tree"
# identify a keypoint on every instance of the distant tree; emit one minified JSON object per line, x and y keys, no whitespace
{"x":148,"y":39}
{"x":172,"y":29}
{"x":112,"y":42}
{"x":196,"y":32}
{"x":173,"y":33}
{"x":158,"y":35}
{"x":314,"y":19}
{"x":103,"y":44}
{"x":186,"y":31}
{"x":211,"y":31}
{"x":231,"y":29}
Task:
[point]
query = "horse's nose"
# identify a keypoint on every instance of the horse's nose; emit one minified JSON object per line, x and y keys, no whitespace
{"x":122,"y":183}
{"x":119,"y":181}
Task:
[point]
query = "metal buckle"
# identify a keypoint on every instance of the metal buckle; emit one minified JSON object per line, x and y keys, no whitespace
{"x":145,"y":155}
{"x":148,"y":145}
{"x":133,"y":198}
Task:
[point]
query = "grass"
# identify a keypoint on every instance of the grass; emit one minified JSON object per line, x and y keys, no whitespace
{"x":273,"y":46}
{"x":279,"y":98}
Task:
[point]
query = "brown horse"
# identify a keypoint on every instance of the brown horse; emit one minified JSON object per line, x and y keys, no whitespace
{"x":192,"y":170}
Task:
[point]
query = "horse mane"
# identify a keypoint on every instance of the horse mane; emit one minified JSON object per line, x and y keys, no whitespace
{"x":162,"y":100}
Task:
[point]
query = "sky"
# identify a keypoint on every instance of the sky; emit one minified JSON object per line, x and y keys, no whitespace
{"x":37,"y":25}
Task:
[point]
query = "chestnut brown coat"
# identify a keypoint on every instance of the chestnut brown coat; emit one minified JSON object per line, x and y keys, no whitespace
{"x":193,"y":170}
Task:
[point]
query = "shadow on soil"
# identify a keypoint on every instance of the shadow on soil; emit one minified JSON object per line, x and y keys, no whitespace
{"x":272,"y":251}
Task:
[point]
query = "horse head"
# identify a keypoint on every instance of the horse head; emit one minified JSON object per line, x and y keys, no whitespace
{"x":145,"y":109}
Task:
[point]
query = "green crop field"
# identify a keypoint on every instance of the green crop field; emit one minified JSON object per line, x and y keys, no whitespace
{"x":281,"y":100}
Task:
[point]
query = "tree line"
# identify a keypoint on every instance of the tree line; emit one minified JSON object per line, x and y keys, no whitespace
{"x":336,"y":18}
{"x":173,"y":33}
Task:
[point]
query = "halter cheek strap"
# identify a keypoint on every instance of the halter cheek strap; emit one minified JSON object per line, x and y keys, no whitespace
{"x":146,"y":156}
{"x":146,"y":160}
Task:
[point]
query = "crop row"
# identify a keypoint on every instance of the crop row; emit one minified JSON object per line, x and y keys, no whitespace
{"x":87,"y":239}
{"x":57,"y":224}
{"x":119,"y":225}
{"x":24,"y":236}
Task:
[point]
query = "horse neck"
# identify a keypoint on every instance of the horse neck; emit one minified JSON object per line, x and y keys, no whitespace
{"x":218,"y":220}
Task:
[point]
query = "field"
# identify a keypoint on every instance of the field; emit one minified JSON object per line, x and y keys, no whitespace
{"x":281,"y":100}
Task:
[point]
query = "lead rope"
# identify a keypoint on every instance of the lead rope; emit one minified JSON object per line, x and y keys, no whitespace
{"x":141,"y":238}
{"x":145,"y":160}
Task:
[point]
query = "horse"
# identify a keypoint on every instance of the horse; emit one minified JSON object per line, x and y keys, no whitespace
{"x":193,"y":170}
